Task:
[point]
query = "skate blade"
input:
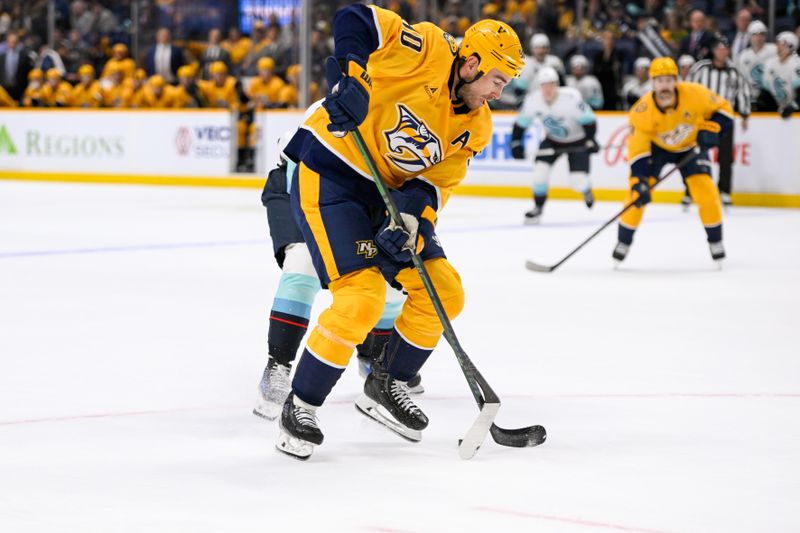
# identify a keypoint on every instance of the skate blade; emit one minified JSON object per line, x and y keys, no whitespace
{"x":294,"y":447}
{"x":532,"y":221}
{"x":373,"y":410}
{"x":267,"y":410}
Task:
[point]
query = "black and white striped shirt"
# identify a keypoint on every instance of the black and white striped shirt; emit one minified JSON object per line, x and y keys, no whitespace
{"x":727,"y":82}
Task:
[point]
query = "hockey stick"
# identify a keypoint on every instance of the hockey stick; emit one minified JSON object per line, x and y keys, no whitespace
{"x":488,"y":402}
{"x":546,"y":152}
{"x":536,"y":267}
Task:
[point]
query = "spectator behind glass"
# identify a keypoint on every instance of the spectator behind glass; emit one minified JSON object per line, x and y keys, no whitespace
{"x":739,"y":38}
{"x":608,"y":70}
{"x":237,"y":46}
{"x":15,"y":64}
{"x":213,"y":53}
{"x":164,"y":58}
{"x":673,"y":32}
{"x":698,"y":43}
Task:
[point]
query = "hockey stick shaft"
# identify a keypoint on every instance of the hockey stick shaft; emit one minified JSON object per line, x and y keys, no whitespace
{"x":546,"y":152}
{"x":481,"y":390}
{"x":682,"y":163}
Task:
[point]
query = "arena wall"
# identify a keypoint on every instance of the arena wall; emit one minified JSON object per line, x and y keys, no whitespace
{"x":197,"y":147}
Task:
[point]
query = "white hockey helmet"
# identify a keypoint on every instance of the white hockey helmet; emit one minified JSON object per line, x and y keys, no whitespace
{"x":756,"y":27}
{"x":577,"y":61}
{"x":686,"y":61}
{"x":642,"y":63}
{"x":788,"y":38}
{"x":546,"y":75}
{"x":540,"y":40}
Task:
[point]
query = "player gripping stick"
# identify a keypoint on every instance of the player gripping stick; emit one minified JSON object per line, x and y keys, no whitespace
{"x":667,"y":123}
{"x":420,"y":102}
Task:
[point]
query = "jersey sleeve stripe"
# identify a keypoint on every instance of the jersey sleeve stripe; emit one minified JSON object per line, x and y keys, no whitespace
{"x":377,"y":26}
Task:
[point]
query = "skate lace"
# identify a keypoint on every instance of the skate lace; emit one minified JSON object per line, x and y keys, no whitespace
{"x":400,"y":394}
{"x":279,"y":376}
{"x":305,"y":417}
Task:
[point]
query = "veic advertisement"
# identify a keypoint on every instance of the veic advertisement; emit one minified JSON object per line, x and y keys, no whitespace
{"x":174,"y":143}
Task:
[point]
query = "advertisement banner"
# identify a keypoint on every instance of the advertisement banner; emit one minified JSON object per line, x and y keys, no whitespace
{"x":139,"y":142}
{"x":766,"y":156}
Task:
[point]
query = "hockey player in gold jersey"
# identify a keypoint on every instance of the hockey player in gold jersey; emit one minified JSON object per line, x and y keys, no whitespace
{"x":265,"y":90}
{"x":115,"y":94}
{"x":420,"y":102}
{"x":156,"y":94}
{"x":33,"y":92}
{"x":220,"y":90}
{"x":185,"y":93}
{"x":55,"y":92}
{"x":87,"y":92}
{"x":666,"y":124}
{"x":119,"y":62}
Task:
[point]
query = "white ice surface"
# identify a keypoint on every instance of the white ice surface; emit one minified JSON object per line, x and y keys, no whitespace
{"x":133,"y":334}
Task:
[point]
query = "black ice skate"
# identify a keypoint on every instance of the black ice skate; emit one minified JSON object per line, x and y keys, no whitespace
{"x":365,"y":369}
{"x":273,"y":390}
{"x":588,"y":198}
{"x":620,"y":251}
{"x":717,"y":251}
{"x":533,"y":216}
{"x":386,"y":401}
{"x":299,"y":430}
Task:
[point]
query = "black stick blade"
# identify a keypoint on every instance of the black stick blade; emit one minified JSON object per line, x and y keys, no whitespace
{"x":536,"y":267}
{"x":519,"y":438}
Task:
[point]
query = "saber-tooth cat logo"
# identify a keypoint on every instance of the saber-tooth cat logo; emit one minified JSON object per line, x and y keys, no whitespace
{"x":412,"y":145}
{"x":366,"y":248}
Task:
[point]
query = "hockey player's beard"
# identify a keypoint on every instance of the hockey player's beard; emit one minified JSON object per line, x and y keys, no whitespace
{"x":665,"y":98}
{"x":468,"y":92}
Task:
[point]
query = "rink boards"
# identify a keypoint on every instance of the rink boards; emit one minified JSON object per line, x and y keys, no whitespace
{"x":198,"y":147}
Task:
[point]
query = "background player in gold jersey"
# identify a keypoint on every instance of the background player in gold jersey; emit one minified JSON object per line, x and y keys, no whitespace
{"x":421,"y":103}
{"x":666,"y":124}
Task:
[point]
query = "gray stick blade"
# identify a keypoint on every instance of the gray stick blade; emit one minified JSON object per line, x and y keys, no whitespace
{"x":536,"y":267}
{"x":468,"y":446}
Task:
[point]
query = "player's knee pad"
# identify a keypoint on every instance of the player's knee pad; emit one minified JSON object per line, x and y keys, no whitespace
{"x":541,"y":178}
{"x":358,"y":300}
{"x":418,"y":320}
{"x":579,"y":181}
{"x":706,"y":195}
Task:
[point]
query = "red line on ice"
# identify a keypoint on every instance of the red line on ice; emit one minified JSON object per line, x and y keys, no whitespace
{"x":568,"y":520}
{"x":339,"y":401}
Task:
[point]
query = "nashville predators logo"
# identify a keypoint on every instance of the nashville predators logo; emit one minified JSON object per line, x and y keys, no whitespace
{"x":412,"y":145}
{"x":676,"y":135}
{"x":366,"y":248}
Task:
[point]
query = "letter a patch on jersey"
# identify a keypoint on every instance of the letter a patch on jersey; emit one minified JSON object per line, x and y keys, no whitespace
{"x":412,"y":145}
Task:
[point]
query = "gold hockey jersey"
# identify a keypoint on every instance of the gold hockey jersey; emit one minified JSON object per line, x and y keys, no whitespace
{"x":412,"y":128}
{"x":674,"y":129}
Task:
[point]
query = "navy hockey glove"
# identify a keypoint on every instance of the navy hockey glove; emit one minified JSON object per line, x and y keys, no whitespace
{"x":708,"y":136}
{"x":517,"y":146}
{"x":643,"y":192}
{"x":418,"y":218}
{"x":592,"y":146}
{"x":348,"y":101}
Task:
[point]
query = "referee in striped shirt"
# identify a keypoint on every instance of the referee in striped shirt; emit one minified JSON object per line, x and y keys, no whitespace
{"x":719,"y":75}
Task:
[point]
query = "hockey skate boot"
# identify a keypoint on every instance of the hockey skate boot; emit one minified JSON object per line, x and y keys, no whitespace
{"x":686,"y":202}
{"x":533,"y":216}
{"x":365,"y":369}
{"x":717,"y":251}
{"x":726,"y":200}
{"x":620,"y":251}
{"x":272,"y":391}
{"x":588,"y":198}
{"x":299,"y":429}
{"x":386,"y":401}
